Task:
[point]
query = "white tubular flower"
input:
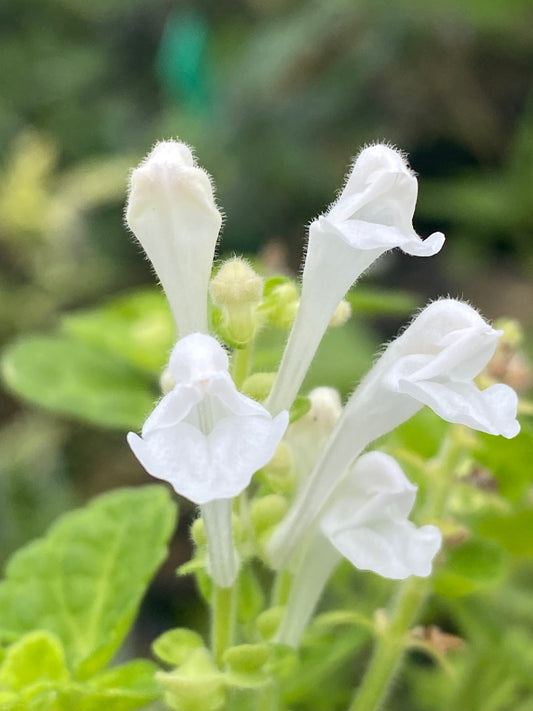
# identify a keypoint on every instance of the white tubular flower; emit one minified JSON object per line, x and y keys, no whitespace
{"x":204,"y":437}
{"x":432,"y":363}
{"x":367,"y":521}
{"x":373,"y":214}
{"x":207,"y":440}
{"x":172,"y":212}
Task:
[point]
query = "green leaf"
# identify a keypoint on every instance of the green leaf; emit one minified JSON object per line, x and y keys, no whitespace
{"x":76,"y":379}
{"x":475,"y":565}
{"x":422,"y":434}
{"x":137,"y":327}
{"x":509,"y":460}
{"x":513,"y":532}
{"x":137,"y":676}
{"x":127,"y":687}
{"x":37,"y":656}
{"x":84,"y":581}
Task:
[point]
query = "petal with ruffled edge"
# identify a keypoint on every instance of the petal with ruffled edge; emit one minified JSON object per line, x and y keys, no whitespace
{"x":392,"y":549}
{"x":367,"y":520}
{"x":492,"y":410}
{"x":366,"y":236}
{"x":205,"y":467}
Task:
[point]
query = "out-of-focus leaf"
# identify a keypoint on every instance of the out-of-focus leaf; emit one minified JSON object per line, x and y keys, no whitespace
{"x":85,"y":579}
{"x":137,"y":327}
{"x":36,"y":657}
{"x":77,"y":379}
{"x":510,"y":460}
{"x":472,"y":566}
{"x":423,"y":434}
{"x":378,"y":302}
{"x":514,"y":532}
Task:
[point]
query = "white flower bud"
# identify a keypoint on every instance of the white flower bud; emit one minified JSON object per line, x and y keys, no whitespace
{"x":172,"y":212}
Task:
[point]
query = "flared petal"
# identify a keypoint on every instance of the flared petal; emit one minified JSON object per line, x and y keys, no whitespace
{"x":218,"y":465}
{"x":392,"y":549}
{"x":204,"y":437}
{"x":492,"y":410}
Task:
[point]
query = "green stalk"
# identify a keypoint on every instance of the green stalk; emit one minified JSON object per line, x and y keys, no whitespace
{"x":222,"y":620}
{"x":240,"y":364}
{"x":391,"y":644}
{"x":389,"y":649}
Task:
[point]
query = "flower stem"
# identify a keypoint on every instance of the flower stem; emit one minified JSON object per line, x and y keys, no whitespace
{"x":389,"y":649}
{"x":240,"y":364}
{"x":222,"y":620}
{"x":391,"y":643}
{"x":223,"y":564}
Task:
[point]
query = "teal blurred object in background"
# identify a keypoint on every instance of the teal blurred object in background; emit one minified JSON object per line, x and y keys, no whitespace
{"x":181,"y":62}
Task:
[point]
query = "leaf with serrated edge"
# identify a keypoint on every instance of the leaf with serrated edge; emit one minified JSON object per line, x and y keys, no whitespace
{"x":84,"y":580}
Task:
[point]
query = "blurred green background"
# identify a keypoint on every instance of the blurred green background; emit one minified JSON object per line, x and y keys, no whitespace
{"x":276,"y":96}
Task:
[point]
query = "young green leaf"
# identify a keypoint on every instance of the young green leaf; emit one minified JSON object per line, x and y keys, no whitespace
{"x":36,"y":657}
{"x":475,"y":565}
{"x":85,"y":579}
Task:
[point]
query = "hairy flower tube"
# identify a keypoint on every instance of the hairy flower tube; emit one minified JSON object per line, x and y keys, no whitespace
{"x":204,"y":437}
{"x":172,"y":212}
{"x":432,"y":363}
{"x":373,"y":214}
{"x":366,"y":521}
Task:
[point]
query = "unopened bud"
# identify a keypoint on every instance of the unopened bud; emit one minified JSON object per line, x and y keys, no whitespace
{"x":258,"y":385}
{"x":197,"y":685}
{"x":269,"y":621}
{"x":237,"y":290}
{"x":281,"y":302}
{"x":198,"y":532}
{"x":278,"y":471}
{"x":267,"y":511}
{"x":247,"y":658}
{"x":341,"y":314}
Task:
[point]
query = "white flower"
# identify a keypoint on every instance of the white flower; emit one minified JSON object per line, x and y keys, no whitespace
{"x":204,"y":437}
{"x":373,"y":214}
{"x":367,"y":521}
{"x":432,"y":363}
{"x":172,"y":211}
